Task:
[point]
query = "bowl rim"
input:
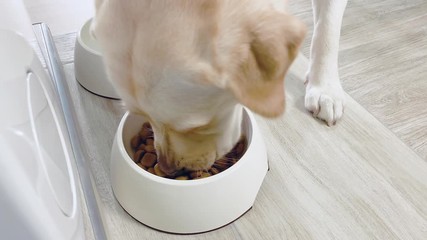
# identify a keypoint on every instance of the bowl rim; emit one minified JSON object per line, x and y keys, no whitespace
{"x":85,"y":29}
{"x":182,"y":183}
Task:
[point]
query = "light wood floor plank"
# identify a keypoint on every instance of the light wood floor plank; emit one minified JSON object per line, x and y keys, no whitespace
{"x":383,"y":62}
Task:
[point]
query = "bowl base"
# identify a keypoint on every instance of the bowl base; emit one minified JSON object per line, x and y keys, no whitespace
{"x":189,"y":233}
{"x":97,"y":94}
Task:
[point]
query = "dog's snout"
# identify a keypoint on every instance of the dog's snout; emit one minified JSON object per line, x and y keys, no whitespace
{"x":170,"y":164}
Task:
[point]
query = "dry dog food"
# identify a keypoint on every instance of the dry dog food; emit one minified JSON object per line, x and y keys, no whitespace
{"x":144,"y":155}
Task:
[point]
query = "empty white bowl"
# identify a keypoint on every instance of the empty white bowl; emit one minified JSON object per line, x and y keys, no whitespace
{"x":88,"y":64}
{"x":187,"y":206}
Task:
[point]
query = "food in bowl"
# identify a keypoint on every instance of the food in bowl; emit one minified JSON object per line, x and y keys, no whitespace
{"x":145,"y":156}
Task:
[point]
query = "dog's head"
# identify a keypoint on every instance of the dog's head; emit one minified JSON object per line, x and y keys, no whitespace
{"x":193,"y":63}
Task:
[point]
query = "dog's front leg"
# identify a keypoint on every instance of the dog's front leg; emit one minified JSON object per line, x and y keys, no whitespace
{"x":324,"y":95}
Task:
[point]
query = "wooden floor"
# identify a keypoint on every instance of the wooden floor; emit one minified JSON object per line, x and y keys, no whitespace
{"x":365,"y":178}
{"x":383,"y":62}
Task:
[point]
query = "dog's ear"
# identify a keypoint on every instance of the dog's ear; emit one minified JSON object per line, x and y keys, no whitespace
{"x":273,"y":42}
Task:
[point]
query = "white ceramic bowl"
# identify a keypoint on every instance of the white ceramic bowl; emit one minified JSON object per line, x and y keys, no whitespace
{"x":88,"y":64}
{"x":187,"y":206}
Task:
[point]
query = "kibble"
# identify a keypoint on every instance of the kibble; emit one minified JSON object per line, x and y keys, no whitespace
{"x":213,"y":170}
{"x":158,"y":171}
{"x":135,"y":141}
{"x":183,"y":177}
{"x":205,"y":175}
{"x":141,"y":147}
{"x":145,"y":156}
{"x":151,"y":170}
{"x":138,"y":155}
{"x":150,"y":141}
{"x":149,"y":159}
{"x":150,"y":149}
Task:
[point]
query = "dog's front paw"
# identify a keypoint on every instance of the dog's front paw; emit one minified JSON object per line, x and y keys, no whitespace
{"x":326,"y":102}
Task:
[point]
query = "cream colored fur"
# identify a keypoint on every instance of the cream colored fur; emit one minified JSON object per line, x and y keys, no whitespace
{"x":190,"y":65}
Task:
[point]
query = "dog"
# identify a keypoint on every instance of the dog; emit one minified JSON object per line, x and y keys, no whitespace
{"x":189,"y":66}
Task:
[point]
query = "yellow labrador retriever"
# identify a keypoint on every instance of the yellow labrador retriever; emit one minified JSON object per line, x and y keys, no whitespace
{"x":190,"y":65}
